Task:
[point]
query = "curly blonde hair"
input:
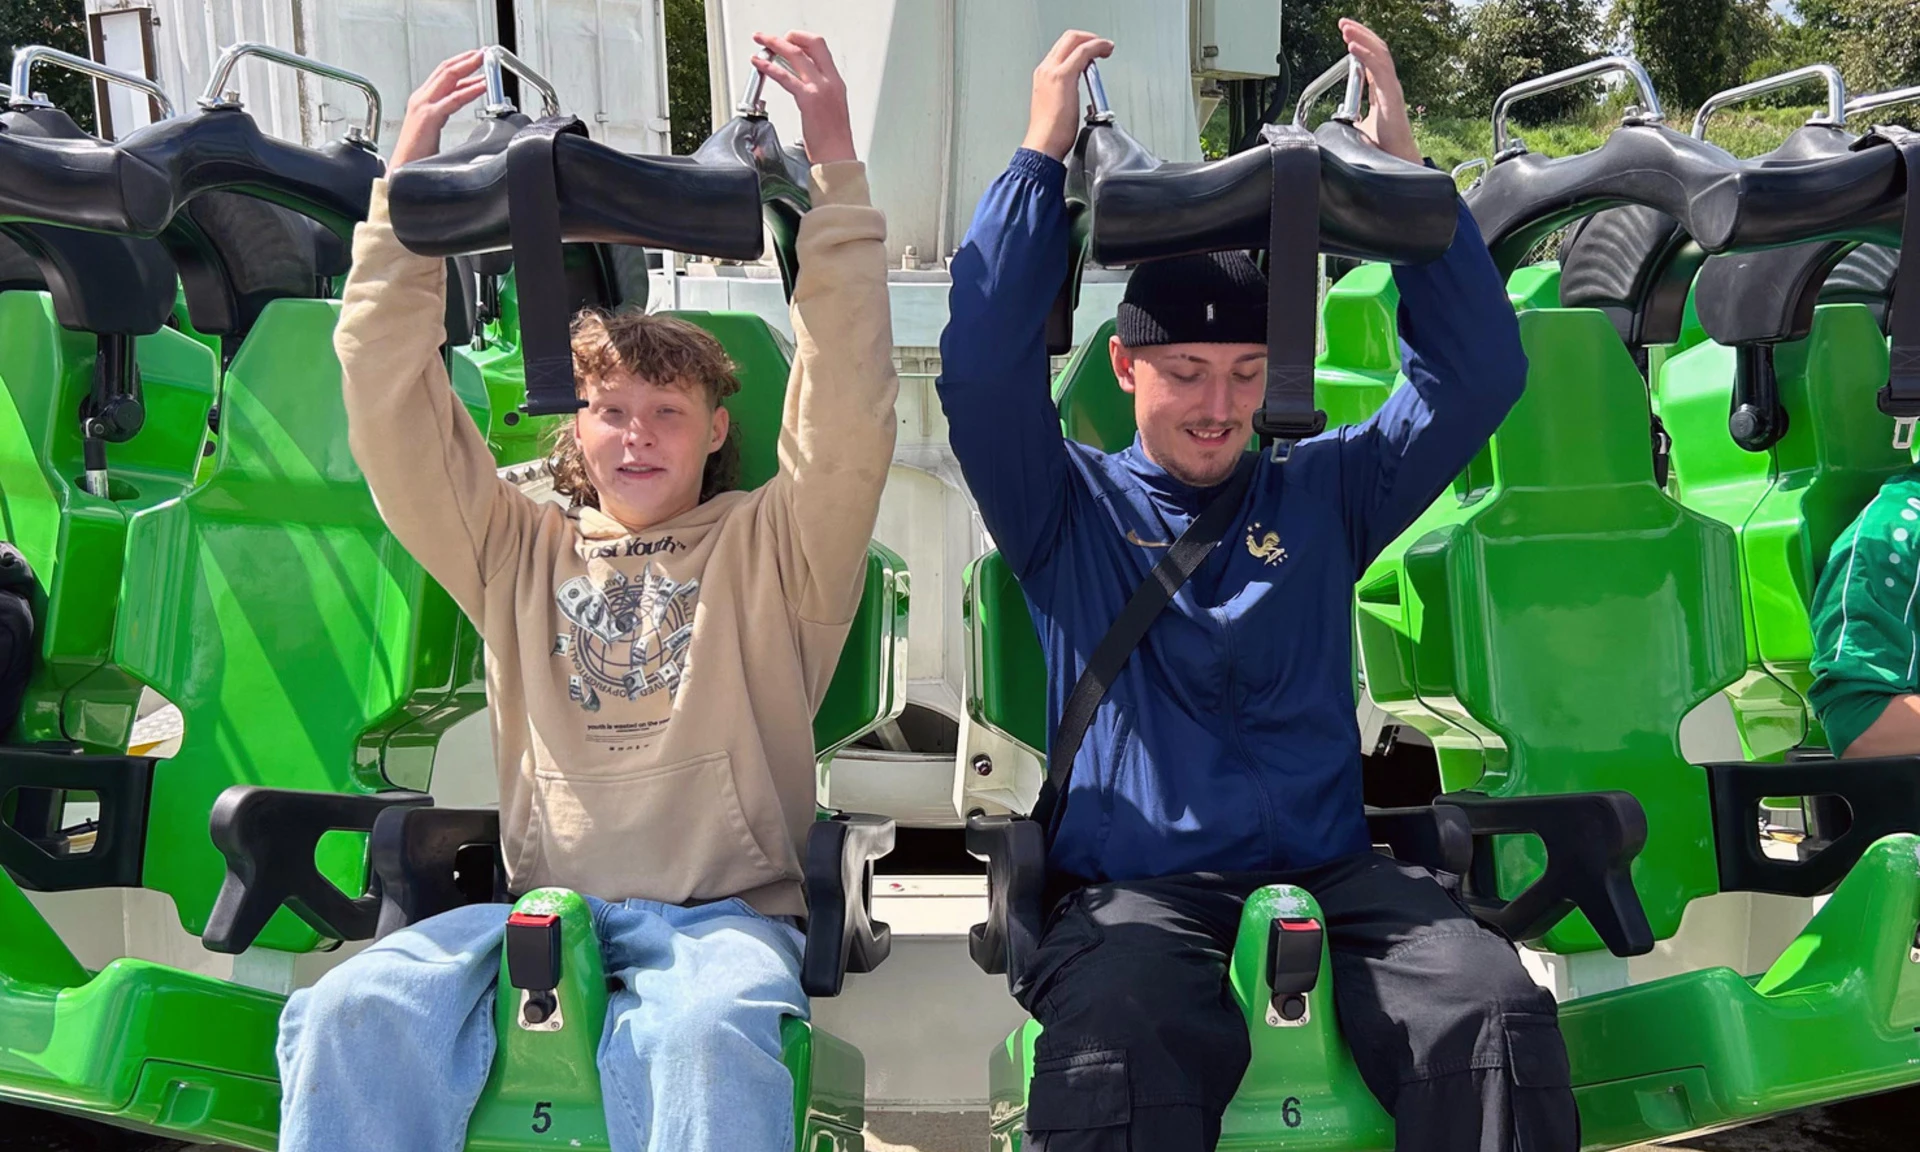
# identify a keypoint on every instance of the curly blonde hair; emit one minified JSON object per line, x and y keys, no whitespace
{"x":657,"y":348}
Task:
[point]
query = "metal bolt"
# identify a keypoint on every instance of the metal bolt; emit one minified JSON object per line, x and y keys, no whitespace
{"x":983,"y":765}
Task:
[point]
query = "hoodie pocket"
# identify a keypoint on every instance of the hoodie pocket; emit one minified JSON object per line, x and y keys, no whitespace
{"x":675,"y":832}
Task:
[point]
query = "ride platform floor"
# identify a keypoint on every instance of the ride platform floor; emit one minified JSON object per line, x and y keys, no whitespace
{"x":1874,"y":1124}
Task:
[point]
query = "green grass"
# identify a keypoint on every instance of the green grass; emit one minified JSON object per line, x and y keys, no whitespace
{"x":1746,"y":131}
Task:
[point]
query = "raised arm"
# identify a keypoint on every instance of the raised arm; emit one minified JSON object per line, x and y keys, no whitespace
{"x":432,"y":475}
{"x":837,"y":427}
{"x":993,"y":356}
{"x":1460,"y":346}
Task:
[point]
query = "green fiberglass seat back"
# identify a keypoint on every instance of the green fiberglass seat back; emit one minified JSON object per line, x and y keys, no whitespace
{"x":275,"y":609}
{"x":1789,"y":503}
{"x":1569,"y":582}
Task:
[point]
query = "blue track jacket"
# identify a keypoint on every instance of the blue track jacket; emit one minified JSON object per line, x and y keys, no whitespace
{"x":1229,"y":742}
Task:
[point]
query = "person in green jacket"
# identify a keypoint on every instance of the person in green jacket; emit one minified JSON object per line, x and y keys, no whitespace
{"x":1866,"y":688}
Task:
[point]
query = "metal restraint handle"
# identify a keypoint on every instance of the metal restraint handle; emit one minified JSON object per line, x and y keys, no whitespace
{"x":1872,"y":102}
{"x":1098,"y":110}
{"x":1348,"y":69}
{"x":1650,"y":110}
{"x":1835,"y":114}
{"x":21,"y":94}
{"x":495,"y":62}
{"x":218,"y":96}
{"x":752,"y":101}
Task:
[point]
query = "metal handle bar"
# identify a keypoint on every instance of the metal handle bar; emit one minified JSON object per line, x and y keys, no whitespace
{"x":1877,"y":100}
{"x":1566,"y":78}
{"x":1099,"y":112}
{"x":494,"y":61}
{"x":1348,"y":68}
{"x":752,"y":102}
{"x":215,"y":96}
{"x":1467,"y":166}
{"x":1836,"y":95}
{"x":27,"y":57}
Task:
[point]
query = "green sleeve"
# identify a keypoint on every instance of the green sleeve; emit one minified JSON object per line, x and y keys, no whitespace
{"x":1865,"y":647}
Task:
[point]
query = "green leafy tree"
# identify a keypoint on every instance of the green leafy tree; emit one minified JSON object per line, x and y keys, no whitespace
{"x":1876,"y":43}
{"x":58,"y":24}
{"x":1508,"y":41}
{"x":1686,"y":45}
{"x":689,"y":105}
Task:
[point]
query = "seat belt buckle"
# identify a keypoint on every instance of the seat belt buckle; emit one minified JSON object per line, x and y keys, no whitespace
{"x":1905,"y":411}
{"x":533,"y":967}
{"x":1280,"y":434}
{"x":1293,"y":968}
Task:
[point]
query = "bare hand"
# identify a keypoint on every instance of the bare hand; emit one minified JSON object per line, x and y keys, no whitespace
{"x":1054,"y":120}
{"x":451,"y":87}
{"x":1386,"y":123}
{"x":806,"y":70}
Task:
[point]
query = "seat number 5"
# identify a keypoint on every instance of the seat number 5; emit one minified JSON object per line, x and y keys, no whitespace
{"x":542,"y":1119}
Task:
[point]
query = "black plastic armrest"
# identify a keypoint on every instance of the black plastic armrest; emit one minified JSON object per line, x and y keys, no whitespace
{"x":1591,"y":839}
{"x":842,"y":935}
{"x":268,"y":836}
{"x":1015,"y":849}
{"x":1882,"y":794}
{"x":433,"y":860}
{"x":1437,"y":837}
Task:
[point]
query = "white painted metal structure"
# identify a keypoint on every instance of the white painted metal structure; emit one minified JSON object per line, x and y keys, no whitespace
{"x":606,"y":57}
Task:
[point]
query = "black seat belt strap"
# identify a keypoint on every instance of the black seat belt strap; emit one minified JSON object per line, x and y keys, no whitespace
{"x":539,"y":266}
{"x":1900,"y":399}
{"x":1293,"y":279}
{"x":1129,"y":628}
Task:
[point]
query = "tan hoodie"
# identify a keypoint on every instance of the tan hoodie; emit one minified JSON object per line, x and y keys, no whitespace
{"x":652,"y":694}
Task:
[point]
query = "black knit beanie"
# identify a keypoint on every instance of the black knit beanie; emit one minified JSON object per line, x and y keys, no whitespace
{"x":1214,"y":298}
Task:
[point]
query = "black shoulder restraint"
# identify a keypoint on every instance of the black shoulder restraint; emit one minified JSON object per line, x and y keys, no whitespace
{"x":539,"y":267}
{"x":1900,"y":399}
{"x":1288,"y":416}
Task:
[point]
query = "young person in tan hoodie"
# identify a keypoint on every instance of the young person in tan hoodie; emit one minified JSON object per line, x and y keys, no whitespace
{"x":654,"y":658}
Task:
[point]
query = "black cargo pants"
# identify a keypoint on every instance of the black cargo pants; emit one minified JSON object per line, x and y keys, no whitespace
{"x":1145,"y":1045}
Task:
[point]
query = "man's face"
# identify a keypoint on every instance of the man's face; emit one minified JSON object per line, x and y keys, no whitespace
{"x":646,"y":446}
{"x":1194,"y":403}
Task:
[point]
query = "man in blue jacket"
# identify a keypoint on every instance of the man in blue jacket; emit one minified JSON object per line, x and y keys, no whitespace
{"x":1226,"y":754}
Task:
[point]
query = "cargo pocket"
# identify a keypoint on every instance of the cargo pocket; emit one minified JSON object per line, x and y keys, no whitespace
{"x":1084,"y":1090}
{"x":1072,"y":935}
{"x":1544,"y":1116}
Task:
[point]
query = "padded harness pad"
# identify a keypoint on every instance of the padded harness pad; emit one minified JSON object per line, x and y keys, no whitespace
{"x":1721,"y":202}
{"x":1373,"y":206}
{"x":455,"y":203}
{"x":135,"y":187}
{"x":109,"y":285}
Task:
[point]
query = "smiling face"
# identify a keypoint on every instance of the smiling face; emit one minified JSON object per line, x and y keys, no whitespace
{"x":645,"y":446}
{"x":1194,"y":403}
{"x":652,"y":440}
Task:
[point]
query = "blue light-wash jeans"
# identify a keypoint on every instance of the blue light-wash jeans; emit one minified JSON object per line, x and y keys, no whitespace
{"x":390,"y":1050}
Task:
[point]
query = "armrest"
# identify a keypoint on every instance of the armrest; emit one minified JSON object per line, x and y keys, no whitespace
{"x":1437,"y":837}
{"x":268,"y":836}
{"x":1016,"y":853}
{"x":1591,"y":839}
{"x":1883,"y":793}
{"x":842,"y":935}
{"x":432,"y":860}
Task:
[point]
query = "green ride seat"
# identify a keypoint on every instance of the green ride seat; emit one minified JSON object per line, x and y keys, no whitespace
{"x":72,"y":539}
{"x":273,"y":607}
{"x":1787,"y":505}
